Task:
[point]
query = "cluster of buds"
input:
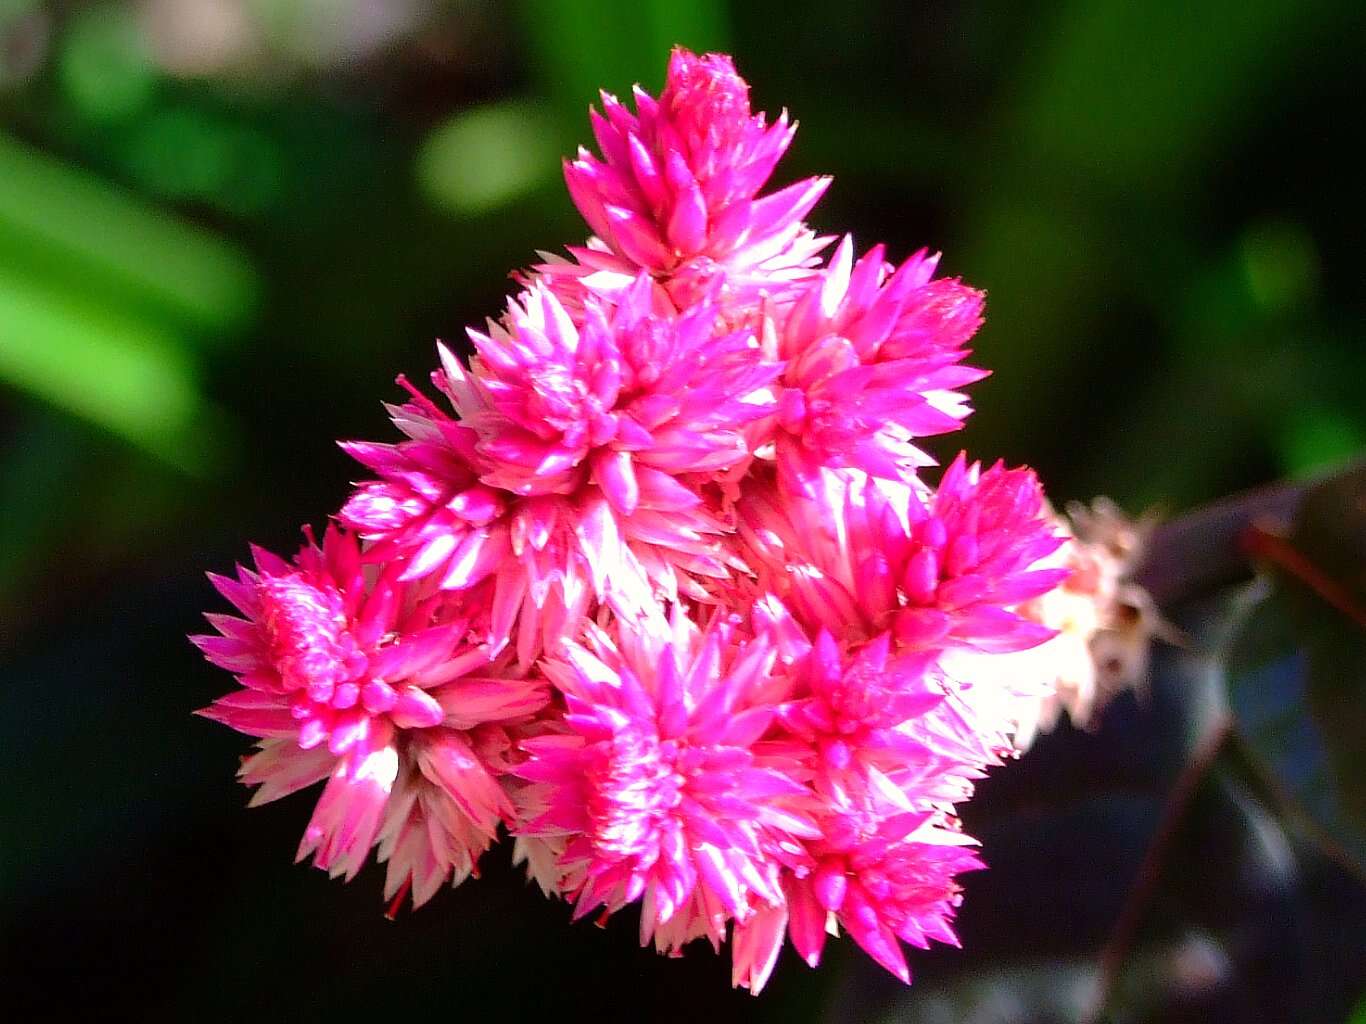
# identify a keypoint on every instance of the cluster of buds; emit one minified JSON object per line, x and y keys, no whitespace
{"x":659,"y":580}
{"x":1103,"y":625}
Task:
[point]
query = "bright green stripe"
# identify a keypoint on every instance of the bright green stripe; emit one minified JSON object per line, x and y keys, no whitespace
{"x":137,"y":247}
{"x":128,"y":376}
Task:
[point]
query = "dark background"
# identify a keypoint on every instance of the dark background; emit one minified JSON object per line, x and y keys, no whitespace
{"x":225,"y":225}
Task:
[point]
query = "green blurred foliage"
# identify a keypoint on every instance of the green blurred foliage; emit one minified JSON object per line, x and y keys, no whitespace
{"x":487,"y":157}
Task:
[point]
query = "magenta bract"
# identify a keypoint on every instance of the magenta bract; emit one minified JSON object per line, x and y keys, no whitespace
{"x":656,"y":580}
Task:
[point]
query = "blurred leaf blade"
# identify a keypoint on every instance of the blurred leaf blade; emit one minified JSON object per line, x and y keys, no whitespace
{"x":129,"y":376}
{"x":1330,"y":531}
{"x":145,"y":252}
{"x":1297,"y":664}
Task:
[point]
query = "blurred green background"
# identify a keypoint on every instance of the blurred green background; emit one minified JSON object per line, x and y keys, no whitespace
{"x":225,"y":225}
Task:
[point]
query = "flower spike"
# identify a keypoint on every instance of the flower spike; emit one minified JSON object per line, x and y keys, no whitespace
{"x":655,"y":581}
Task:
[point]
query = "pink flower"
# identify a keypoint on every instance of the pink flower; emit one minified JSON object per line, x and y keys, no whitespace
{"x":883,"y":879}
{"x":659,"y":783}
{"x":940,"y":569}
{"x":573,"y":470}
{"x":755,"y":946}
{"x":448,"y":802}
{"x":675,"y":189}
{"x":359,"y":681}
{"x":862,"y":724}
{"x":325,"y":657}
{"x":577,"y":458}
{"x":429,"y":513}
{"x":972,"y":559}
{"x":888,"y":751}
{"x":872,"y":361}
{"x":658,"y":585}
{"x":628,"y":400}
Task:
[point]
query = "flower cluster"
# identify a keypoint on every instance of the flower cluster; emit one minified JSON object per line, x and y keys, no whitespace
{"x":658,"y":579}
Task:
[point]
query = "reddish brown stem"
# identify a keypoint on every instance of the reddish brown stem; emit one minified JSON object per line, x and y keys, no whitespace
{"x":1149,"y":873}
{"x":1263,"y":544}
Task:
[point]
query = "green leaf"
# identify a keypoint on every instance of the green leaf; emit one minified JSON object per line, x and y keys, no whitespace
{"x":1330,"y":531}
{"x":1297,"y":664}
{"x":105,"y":237}
{"x":130,"y":376}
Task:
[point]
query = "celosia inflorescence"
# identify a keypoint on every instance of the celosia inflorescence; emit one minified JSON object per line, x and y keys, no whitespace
{"x":658,"y":580}
{"x":675,"y":192}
